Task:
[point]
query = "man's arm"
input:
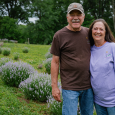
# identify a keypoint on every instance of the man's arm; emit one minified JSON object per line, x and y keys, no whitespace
{"x":54,"y":78}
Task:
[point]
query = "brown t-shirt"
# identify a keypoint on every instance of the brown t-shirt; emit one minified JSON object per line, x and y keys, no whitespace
{"x":73,"y":50}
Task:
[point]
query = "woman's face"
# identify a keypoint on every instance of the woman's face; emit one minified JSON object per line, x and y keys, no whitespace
{"x":98,"y":32}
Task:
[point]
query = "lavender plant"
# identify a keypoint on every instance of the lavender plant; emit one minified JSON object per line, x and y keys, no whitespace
{"x":0,"y":50}
{"x":4,"y":60}
{"x":16,"y":56}
{"x":25,"y":50}
{"x":48,"y":55}
{"x":54,"y":106}
{"x":37,"y":87}
{"x":15,"y":72}
{"x":47,"y":64}
{"x":6,"y":51}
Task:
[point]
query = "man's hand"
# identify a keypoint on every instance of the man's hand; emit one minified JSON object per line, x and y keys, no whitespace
{"x":56,"y":94}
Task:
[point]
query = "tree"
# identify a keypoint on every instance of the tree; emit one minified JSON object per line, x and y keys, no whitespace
{"x":99,"y":9}
{"x":16,"y":9}
{"x":22,"y":29}
{"x":113,"y":6}
{"x":8,"y":28}
{"x":42,"y":31}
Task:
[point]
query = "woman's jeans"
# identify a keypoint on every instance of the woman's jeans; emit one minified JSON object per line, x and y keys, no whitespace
{"x":104,"y":110}
{"x":70,"y":102}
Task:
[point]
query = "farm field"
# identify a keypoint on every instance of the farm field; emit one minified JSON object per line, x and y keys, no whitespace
{"x":12,"y":100}
{"x":34,"y":57}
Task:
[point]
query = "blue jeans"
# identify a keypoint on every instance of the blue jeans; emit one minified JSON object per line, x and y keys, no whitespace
{"x":104,"y":110}
{"x":70,"y":102}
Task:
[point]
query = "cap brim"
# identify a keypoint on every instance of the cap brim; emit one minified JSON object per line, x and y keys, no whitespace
{"x":75,"y":9}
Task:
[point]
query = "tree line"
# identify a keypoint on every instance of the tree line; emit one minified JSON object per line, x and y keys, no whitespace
{"x":51,"y":16}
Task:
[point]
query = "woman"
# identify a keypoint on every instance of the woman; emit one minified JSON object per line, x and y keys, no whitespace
{"x":102,"y":67}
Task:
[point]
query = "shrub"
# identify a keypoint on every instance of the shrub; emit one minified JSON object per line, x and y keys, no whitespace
{"x":13,"y":41}
{"x":0,"y":50}
{"x":16,"y":56}
{"x":1,"y":43}
{"x":6,"y":51}
{"x":40,"y":66}
{"x":14,"y":73}
{"x":37,"y":87}
{"x":25,"y":50}
{"x":48,"y":55}
{"x":5,"y":40}
{"x":4,"y":60}
{"x":47,"y":64}
{"x":54,"y":106}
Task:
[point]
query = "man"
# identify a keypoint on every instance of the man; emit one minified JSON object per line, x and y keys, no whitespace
{"x":71,"y":50}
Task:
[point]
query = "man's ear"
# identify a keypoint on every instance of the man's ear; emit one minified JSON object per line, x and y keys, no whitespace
{"x":84,"y":16}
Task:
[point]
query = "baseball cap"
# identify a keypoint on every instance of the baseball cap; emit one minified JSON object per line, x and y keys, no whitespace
{"x":75,"y":6}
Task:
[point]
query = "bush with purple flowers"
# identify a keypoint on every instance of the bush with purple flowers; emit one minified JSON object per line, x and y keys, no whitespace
{"x":15,"y":72}
{"x":47,"y":64}
{"x":55,"y":106}
{"x":16,"y":55}
{"x":6,"y":51}
{"x":4,"y":60}
{"x":37,"y":87}
{"x":0,"y":50}
{"x":25,"y":50}
{"x":48,"y":55}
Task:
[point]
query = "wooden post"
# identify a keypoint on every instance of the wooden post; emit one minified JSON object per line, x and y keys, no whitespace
{"x":28,"y":40}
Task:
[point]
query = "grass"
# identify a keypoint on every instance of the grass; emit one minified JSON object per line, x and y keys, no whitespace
{"x":34,"y":57}
{"x":12,"y":100}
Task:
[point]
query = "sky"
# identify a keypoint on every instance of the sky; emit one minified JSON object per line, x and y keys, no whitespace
{"x":30,"y":19}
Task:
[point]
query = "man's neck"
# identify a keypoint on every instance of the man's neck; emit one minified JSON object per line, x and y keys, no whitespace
{"x":73,"y":29}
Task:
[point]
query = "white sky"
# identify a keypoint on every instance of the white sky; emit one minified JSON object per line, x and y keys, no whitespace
{"x":30,"y":19}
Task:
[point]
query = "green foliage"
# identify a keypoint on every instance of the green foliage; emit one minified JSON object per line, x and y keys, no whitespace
{"x":99,"y":9}
{"x":16,"y":9}
{"x":8,"y":28}
{"x":25,"y":50}
{"x":0,"y":50}
{"x":14,"y":73}
{"x":4,"y":60}
{"x":55,"y":107}
{"x":42,"y":31}
{"x":6,"y":51}
{"x":23,"y":31}
{"x":16,"y":56}
{"x":5,"y":40}
{"x":12,"y":102}
{"x":37,"y":87}
{"x":47,"y":64}
{"x":48,"y":55}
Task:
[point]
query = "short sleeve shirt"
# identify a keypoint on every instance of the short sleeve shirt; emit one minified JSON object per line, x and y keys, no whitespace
{"x":73,"y":49}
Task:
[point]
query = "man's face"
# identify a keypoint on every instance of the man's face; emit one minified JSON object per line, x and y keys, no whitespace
{"x":75,"y":19}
